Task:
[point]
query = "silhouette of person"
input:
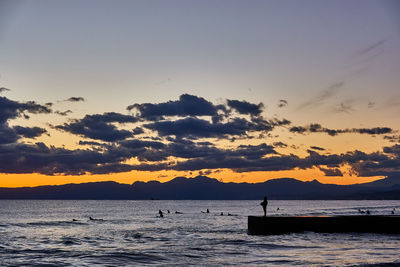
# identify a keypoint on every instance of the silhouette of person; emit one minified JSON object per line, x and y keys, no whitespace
{"x":208,"y":211}
{"x":168,"y":211}
{"x":161,"y":214}
{"x":264,"y":205}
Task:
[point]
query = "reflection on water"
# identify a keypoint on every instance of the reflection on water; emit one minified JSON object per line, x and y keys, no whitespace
{"x":39,"y":232}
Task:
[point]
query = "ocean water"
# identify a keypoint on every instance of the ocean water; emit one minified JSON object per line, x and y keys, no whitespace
{"x":42,"y":233}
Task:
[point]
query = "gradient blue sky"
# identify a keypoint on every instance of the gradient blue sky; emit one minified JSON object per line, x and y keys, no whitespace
{"x":336,"y":63}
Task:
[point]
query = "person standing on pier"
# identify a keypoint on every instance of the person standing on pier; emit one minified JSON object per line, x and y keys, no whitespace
{"x":264,"y":205}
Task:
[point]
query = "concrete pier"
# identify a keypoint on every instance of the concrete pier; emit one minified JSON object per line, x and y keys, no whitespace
{"x":272,"y":225}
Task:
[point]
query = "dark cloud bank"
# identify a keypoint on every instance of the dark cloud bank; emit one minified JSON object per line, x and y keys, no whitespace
{"x":10,"y":110}
{"x":175,"y":135}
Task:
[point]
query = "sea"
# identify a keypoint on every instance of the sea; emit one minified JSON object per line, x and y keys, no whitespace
{"x":131,"y":233}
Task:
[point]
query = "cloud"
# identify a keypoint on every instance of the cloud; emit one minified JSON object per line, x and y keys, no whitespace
{"x":184,"y":118}
{"x":376,"y":130}
{"x":192,"y":156}
{"x":38,"y":158}
{"x":253,"y":152}
{"x":361,"y":162}
{"x":10,"y":135}
{"x":344,"y":107}
{"x":92,"y":143}
{"x":187,"y":149}
{"x":317,"y":128}
{"x":10,"y":109}
{"x":63,"y":113}
{"x":50,"y":160}
{"x":175,"y":142}
{"x":395,"y":150}
{"x":298,"y":129}
{"x":138,"y":130}
{"x":99,"y":126}
{"x":7,"y":134}
{"x":323,"y":96}
{"x":371,"y":104}
{"x":331,"y":172}
{"x":29,"y":132}
{"x":244,"y":107}
{"x":375,"y":164}
{"x":280,"y":144}
{"x":198,"y":128}
{"x":392,"y":138}
{"x":3,"y":89}
{"x":317,"y":148}
{"x":75,"y":99}
{"x":187,"y":105}
{"x":282,"y":103}
{"x":136,"y":143}
{"x":371,"y":48}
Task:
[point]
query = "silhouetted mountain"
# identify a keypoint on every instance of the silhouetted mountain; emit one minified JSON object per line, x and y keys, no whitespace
{"x":202,"y":187}
{"x":390,"y":181}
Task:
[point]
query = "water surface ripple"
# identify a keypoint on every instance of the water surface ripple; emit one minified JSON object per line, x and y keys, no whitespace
{"x":43,"y":233}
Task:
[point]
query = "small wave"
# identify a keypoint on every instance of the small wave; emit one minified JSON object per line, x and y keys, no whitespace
{"x":199,"y":249}
{"x":220,"y":231}
{"x":275,"y":246}
{"x":124,"y":258}
{"x":235,"y":242}
{"x":50,"y":251}
{"x":192,"y":256}
{"x":40,"y":264}
{"x":264,"y":262}
{"x":383,"y":264}
{"x":54,"y":223}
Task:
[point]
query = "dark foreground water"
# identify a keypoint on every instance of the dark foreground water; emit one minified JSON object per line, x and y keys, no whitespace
{"x":42,"y":233}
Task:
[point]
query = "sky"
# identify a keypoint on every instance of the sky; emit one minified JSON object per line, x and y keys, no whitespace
{"x":241,"y":91}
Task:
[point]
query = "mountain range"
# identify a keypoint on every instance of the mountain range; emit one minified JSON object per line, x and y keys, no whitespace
{"x":202,"y":187}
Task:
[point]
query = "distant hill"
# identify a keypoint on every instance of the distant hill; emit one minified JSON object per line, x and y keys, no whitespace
{"x":202,"y":187}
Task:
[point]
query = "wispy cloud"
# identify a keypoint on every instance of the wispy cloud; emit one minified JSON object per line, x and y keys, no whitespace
{"x":345,"y":107}
{"x":371,"y":48}
{"x":323,"y":96}
{"x":4,"y":89}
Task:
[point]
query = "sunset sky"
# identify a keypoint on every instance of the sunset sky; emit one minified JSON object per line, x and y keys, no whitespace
{"x":241,"y":91}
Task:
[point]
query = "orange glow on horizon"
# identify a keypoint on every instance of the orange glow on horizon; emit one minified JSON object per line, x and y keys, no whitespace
{"x":31,"y":180}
